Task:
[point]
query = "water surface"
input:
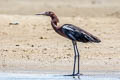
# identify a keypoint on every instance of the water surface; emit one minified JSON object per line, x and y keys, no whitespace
{"x":24,"y":76}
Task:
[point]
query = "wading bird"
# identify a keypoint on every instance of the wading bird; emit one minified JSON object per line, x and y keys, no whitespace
{"x":73,"y":33}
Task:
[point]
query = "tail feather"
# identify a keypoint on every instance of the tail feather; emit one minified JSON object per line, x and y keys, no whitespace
{"x":91,"y":38}
{"x":96,"y":40}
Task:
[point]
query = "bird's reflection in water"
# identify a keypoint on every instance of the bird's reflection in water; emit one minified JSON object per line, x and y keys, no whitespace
{"x":76,"y":78}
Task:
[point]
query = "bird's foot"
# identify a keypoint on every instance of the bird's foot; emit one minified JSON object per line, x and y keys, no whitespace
{"x":77,"y":74}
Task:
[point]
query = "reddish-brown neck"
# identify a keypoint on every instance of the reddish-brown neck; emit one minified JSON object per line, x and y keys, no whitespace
{"x":54,"y":21}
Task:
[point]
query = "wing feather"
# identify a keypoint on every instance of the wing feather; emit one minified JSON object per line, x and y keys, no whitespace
{"x":78,"y":34}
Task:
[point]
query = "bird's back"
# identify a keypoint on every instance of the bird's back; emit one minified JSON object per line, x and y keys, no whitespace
{"x":77,"y":34}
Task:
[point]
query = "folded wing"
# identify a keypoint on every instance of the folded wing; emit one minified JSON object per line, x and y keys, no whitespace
{"x":78,"y":34}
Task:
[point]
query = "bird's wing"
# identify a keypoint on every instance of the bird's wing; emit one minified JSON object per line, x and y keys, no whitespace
{"x":78,"y":34}
{"x":68,"y":31}
{"x":88,"y":37}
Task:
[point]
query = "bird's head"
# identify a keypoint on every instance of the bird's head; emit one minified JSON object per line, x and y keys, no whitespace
{"x":48,"y":13}
{"x":51,"y":14}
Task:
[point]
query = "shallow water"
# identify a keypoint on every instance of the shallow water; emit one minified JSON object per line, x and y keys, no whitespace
{"x":21,"y":76}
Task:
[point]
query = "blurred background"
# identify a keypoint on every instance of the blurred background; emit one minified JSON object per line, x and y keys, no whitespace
{"x":61,"y":7}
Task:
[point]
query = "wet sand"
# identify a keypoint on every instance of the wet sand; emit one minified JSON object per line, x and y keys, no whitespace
{"x":32,"y":44}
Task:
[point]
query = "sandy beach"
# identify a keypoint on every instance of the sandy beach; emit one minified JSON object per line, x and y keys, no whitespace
{"x":32,"y":44}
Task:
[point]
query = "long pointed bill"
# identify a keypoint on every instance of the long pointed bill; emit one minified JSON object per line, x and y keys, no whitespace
{"x":43,"y":13}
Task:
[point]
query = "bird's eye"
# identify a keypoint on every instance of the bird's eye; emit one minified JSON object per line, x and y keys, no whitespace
{"x":50,"y":13}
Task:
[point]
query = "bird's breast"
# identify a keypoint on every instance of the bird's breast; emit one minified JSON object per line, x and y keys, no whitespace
{"x":60,"y":32}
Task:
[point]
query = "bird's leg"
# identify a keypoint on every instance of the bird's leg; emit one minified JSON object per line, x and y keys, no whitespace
{"x":78,"y":55}
{"x":74,"y":43}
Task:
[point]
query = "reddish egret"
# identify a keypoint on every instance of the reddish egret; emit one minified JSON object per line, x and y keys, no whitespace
{"x":73,"y":33}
